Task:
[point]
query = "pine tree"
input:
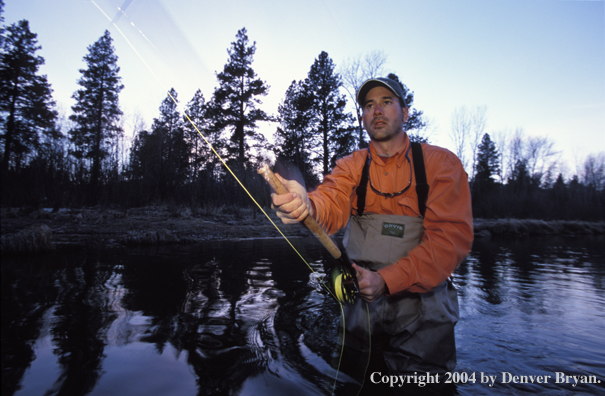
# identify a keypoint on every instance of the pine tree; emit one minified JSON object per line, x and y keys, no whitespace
{"x":520,"y":179}
{"x":415,"y":123}
{"x":140,"y":156}
{"x":560,"y":197}
{"x":26,"y":105}
{"x":96,"y":113}
{"x":332,"y":126}
{"x":488,"y":165}
{"x":1,"y":23}
{"x":172,"y":151}
{"x":294,"y":138}
{"x":196,"y":112}
{"x":235,"y":101}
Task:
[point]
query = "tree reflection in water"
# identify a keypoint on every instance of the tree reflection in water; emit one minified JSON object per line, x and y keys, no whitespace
{"x":245,"y":319}
{"x":220,"y":305}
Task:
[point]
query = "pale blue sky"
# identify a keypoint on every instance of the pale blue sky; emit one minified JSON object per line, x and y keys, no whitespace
{"x":535,"y":64}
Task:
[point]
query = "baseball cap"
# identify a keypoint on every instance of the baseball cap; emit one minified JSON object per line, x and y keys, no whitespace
{"x":391,"y":85}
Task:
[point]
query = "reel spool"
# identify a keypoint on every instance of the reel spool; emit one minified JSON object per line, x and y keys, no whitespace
{"x":345,"y":285}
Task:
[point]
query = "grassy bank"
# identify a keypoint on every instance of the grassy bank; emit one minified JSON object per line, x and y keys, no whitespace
{"x":30,"y":231}
{"x":485,"y":228}
{"x":45,"y":230}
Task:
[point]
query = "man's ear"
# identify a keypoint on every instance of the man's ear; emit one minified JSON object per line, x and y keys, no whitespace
{"x":406,"y":114}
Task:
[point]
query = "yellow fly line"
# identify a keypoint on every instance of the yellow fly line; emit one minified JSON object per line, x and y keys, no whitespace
{"x":338,"y":289}
{"x":339,"y":297}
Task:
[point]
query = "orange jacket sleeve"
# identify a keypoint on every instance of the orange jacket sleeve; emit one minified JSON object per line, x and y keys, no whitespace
{"x":332,"y":201}
{"x":448,"y":226}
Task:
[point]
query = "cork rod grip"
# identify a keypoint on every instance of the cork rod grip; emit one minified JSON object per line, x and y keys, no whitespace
{"x":309,"y":221}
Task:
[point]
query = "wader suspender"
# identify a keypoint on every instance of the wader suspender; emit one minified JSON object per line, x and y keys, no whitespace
{"x":422,"y":188}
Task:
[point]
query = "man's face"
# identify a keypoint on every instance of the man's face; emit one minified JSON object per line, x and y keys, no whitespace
{"x":383,"y":116}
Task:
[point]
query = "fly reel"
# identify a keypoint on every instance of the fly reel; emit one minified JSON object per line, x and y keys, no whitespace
{"x":344,"y":281}
{"x":345,"y":285}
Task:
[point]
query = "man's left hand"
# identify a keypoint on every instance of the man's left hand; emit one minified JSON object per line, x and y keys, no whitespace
{"x":371,"y":284}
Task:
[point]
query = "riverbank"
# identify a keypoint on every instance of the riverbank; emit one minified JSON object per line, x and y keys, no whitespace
{"x":28,"y":231}
{"x":486,"y":228}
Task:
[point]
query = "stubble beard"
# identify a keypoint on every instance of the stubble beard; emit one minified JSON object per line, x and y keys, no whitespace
{"x":385,"y":132}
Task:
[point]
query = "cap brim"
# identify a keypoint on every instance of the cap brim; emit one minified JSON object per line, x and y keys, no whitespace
{"x":373,"y":83}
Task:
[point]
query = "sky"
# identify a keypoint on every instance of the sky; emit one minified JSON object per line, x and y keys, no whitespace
{"x":538,"y":65}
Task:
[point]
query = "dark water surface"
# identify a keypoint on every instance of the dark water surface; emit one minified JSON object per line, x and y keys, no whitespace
{"x":246,"y":318}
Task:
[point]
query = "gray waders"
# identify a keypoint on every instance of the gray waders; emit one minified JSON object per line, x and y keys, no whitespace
{"x":412,"y":331}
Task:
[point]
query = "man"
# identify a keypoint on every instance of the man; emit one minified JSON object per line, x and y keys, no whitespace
{"x":403,"y":257}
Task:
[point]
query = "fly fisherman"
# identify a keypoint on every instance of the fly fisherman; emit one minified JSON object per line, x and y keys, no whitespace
{"x":403,"y":257}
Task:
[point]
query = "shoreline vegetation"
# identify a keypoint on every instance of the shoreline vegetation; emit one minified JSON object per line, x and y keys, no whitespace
{"x":43,"y":230}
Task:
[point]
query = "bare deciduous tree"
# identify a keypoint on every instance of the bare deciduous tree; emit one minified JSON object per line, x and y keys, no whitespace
{"x":594,"y":171}
{"x":536,"y":153}
{"x":478,"y":122}
{"x":468,"y":128}
{"x":354,"y":72}
{"x":541,"y":156}
{"x":515,"y":154}
{"x":461,"y":126}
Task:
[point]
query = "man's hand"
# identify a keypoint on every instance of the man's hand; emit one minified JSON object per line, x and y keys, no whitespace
{"x":371,"y":284}
{"x":294,"y":206}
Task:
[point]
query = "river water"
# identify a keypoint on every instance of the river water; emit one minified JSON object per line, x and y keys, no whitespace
{"x":248,"y":318}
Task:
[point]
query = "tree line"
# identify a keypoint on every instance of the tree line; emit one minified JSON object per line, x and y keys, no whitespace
{"x":514,"y":175}
{"x":49,"y":161}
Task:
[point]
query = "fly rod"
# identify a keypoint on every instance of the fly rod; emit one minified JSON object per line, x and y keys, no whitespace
{"x":343,"y":276}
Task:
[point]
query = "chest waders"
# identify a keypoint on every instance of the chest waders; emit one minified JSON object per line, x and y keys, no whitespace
{"x":411,"y":331}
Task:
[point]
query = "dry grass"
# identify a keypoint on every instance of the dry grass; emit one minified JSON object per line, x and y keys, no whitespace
{"x":31,"y":240}
{"x":161,"y":237}
{"x":28,"y":231}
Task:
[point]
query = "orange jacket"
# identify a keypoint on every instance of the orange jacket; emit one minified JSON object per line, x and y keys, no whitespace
{"x":448,"y":220}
